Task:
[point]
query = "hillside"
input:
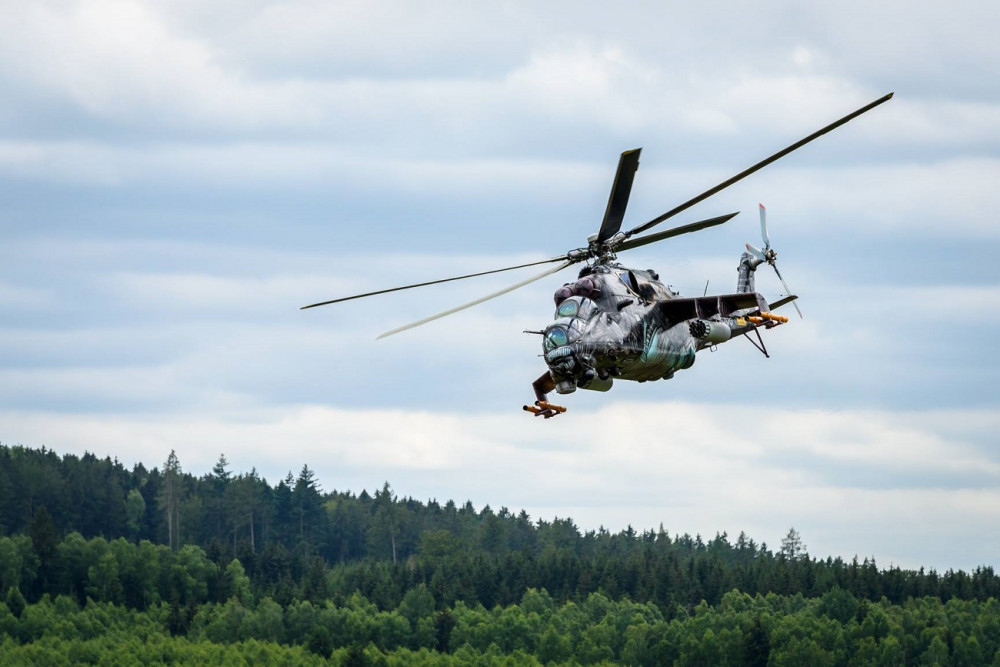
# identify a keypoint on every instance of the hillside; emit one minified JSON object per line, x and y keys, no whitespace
{"x":228,"y":558}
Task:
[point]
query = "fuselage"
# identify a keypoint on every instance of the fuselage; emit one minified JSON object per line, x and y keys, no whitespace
{"x":612,"y":323}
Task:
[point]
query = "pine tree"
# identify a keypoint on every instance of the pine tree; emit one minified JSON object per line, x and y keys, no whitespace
{"x":308,"y":507}
{"x":44,"y":542}
{"x":135,"y":509}
{"x":215,"y":504}
{"x":385,"y":522}
{"x":792,"y":547}
{"x":169,"y":499}
{"x":244,"y":499}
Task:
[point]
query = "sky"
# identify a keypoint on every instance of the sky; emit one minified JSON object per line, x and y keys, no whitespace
{"x":178,"y":178}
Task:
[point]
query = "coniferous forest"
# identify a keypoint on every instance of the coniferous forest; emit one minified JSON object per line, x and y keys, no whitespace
{"x":104,"y":565}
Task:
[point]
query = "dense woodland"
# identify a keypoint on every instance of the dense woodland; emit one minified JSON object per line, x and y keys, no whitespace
{"x":101,"y":564}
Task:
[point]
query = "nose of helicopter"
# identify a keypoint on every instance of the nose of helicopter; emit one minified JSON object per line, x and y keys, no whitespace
{"x":559,"y":357}
{"x":566,"y":361}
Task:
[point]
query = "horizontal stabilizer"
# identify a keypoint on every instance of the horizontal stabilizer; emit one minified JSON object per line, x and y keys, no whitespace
{"x":782,"y":302}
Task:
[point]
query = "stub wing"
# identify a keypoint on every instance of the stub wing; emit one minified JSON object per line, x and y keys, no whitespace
{"x":707,"y":307}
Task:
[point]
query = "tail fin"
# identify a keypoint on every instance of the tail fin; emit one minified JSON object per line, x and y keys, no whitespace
{"x":746,"y":270}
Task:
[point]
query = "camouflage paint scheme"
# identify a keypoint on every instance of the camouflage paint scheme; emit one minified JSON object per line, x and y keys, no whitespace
{"x":616,"y":322}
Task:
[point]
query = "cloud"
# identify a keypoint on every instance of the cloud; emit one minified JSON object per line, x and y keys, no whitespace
{"x":318,"y":40}
{"x":363,"y":73}
{"x":931,"y":198}
{"x":206,"y":325}
{"x":176,"y":182}
{"x":119,"y":61}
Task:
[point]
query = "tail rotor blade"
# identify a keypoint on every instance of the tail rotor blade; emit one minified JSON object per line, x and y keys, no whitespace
{"x":763,"y":227}
{"x":787,"y":290}
{"x":756,"y":252}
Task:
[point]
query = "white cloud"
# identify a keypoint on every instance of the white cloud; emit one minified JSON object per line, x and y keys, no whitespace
{"x":313,"y":69}
{"x":120,"y":61}
{"x":584,"y":83}
{"x":945,"y":198}
{"x":287,"y":166}
{"x":932,"y":198}
{"x":178,"y":180}
{"x":374,"y":37}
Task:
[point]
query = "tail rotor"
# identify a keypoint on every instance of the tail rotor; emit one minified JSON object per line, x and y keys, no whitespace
{"x":769,"y":255}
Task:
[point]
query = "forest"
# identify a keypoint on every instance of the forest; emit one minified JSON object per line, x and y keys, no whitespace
{"x":101,"y":564}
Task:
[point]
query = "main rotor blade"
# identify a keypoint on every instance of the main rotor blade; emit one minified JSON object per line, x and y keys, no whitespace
{"x":620,"y":190}
{"x":478,"y":301}
{"x":676,"y":231}
{"x":433,"y":282}
{"x":760,"y":165}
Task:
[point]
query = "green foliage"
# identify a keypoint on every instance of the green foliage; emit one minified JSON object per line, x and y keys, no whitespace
{"x":229,"y":569}
{"x":135,"y":510}
{"x":295,"y":541}
{"x":838,"y":604}
{"x":237,"y":584}
{"x":776,"y":630}
{"x":15,"y":602}
{"x":319,"y":642}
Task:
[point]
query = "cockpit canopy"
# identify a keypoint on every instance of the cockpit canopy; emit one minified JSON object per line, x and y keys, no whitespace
{"x":576,"y":307}
{"x":572,"y":315}
{"x":563,"y":332}
{"x":555,"y":336}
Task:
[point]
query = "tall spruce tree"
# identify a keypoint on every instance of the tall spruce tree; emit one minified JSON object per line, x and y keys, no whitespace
{"x":169,"y":500}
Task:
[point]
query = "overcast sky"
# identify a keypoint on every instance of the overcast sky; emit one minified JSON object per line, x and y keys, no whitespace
{"x":177,"y":178}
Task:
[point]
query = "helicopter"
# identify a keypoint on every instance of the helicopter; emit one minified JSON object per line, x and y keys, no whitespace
{"x":615,"y":322}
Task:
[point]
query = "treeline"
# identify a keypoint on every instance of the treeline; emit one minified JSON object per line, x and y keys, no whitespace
{"x":296,"y":542}
{"x":834,"y":629}
{"x":97,"y":562}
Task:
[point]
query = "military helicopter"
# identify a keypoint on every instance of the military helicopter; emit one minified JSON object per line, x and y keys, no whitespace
{"x":614,"y":322}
